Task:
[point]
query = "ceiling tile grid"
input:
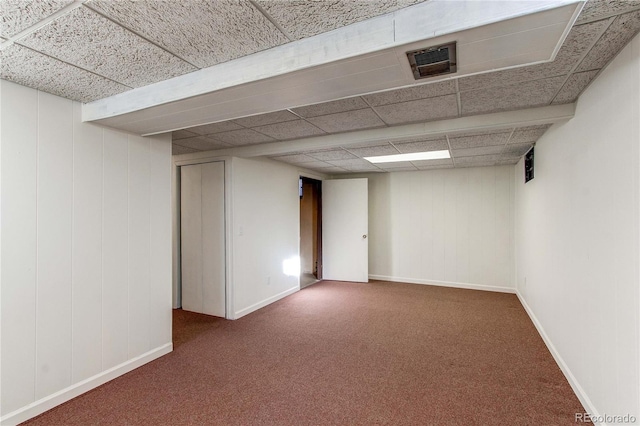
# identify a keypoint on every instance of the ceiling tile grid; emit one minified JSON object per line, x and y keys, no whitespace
{"x":202,"y":32}
{"x":619,"y":33}
{"x":201,"y":143}
{"x":265,"y":119}
{"x":422,"y":145}
{"x":528,"y":134}
{"x":347,"y":121}
{"x":513,"y":96}
{"x":88,"y":40}
{"x":479,"y":140}
{"x":331,"y":155}
{"x":333,"y":107}
{"x":178,"y":149}
{"x":306,"y":18}
{"x":420,"y":110}
{"x":28,"y":68}
{"x":210,"y":129}
{"x":574,"y":86}
{"x":290,"y":130}
{"x":18,"y":15}
{"x":375,"y":151}
{"x":242,"y":137}
{"x":599,"y":9}
{"x":412,"y":93}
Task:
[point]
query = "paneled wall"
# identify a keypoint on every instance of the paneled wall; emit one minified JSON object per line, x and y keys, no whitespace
{"x":266,"y":229}
{"x":577,"y":240}
{"x":85,"y":248}
{"x":443,"y":226}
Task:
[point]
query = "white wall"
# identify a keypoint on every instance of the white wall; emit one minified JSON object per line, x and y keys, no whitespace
{"x":85,"y":251}
{"x":266,"y":228}
{"x":577,"y":227}
{"x":445,"y":226}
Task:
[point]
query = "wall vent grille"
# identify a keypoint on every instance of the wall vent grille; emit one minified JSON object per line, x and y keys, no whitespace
{"x":433,"y":61}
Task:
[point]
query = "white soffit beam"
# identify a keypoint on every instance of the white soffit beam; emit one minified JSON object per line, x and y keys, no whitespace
{"x":487,"y":122}
{"x":365,"y":57}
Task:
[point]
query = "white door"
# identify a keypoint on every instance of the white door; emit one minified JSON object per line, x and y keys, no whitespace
{"x":345,"y":225}
{"x":202,"y":238}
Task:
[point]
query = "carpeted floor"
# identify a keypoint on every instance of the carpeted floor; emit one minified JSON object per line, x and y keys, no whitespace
{"x":341,"y":353}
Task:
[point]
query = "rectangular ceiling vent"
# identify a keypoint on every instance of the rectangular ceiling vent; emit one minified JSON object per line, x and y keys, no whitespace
{"x":433,"y":61}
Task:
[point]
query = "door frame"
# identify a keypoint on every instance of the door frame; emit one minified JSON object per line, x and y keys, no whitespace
{"x":188,"y":160}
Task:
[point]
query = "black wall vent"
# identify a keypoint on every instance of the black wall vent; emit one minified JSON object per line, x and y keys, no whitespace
{"x":433,"y":61}
{"x":528,"y":165}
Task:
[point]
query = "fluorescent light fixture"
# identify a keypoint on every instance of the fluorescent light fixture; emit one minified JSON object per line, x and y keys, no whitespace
{"x":414,"y":156}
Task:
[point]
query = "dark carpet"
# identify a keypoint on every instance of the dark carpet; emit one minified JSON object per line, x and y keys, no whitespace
{"x":341,"y":353}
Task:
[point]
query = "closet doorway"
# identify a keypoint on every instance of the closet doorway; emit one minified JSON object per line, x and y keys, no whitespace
{"x":310,"y":231}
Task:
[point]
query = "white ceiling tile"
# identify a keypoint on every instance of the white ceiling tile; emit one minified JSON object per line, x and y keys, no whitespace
{"x":420,"y":110}
{"x":595,"y":9}
{"x":317,"y":165}
{"x":306,"y":18}
{"x":412,"y":93}
{"x":331,"y":154}
{"x":373,"y":151}
{"x":578,"y":41}
{"x":479,"y":140}
{"x":574,"y":86}
{"x":509,"y":161}
{"x":349,"y":120}
{"x":88,"y":40}
{"x":265,"y":119}
{"x":621,"y":31}
{"x":478,"y":160}
{"x":182,"y":134}
{"x":341,"y":105}
{"x":355,"y":164}
{"x":18,"y":15}
{"x":179,"y":149}
{"x":32,"y":69}
{"x":480,"y":150}
{"x":242,"y":137}
{"x":521,"y":95}
{"x":290,"y":130}
{"x":516,"y":150}
{"x":422,"y":146}
{"x":477,"y":164}
{"x":528,"y":134}
{"x":295,"y":159}
{"x":201,"y":143}
{"x":208,"y":129}
{"x":202,"y":32}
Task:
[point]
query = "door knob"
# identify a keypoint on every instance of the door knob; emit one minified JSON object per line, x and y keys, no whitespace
{"x":364,"y":236}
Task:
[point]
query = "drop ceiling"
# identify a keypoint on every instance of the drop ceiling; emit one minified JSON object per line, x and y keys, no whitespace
{"x":102,"y":51}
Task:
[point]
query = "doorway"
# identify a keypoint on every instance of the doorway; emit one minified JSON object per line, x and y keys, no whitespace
{"x":310,"y":231}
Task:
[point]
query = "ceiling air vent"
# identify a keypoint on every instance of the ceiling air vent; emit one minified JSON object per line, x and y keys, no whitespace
{"x":433,"y":61}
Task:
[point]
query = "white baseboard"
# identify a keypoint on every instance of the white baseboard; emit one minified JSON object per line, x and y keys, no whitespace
{"x":265,"y":302}
{"x":38,"y":407}
{"x":577,"y":389}
{"x":444,"y":284}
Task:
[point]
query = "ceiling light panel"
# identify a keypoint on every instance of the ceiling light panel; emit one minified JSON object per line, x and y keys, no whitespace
{"x":414,"y":156}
